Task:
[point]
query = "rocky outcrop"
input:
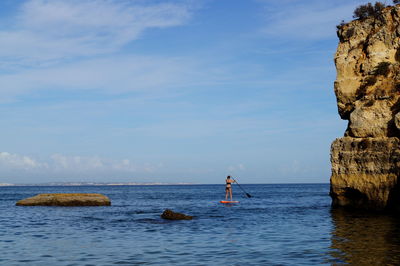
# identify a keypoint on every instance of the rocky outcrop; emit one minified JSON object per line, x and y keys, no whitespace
{"x":365,"y":163}
{"x":170,"y":215}
{"x":66,"y":199}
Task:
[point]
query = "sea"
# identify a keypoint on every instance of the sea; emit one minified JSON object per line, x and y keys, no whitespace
{"x":281,"y":224}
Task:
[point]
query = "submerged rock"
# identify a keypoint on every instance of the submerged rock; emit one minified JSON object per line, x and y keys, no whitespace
{"x":66,"y":199}
{"x":170,"y":215}
{"x":366,"y":162}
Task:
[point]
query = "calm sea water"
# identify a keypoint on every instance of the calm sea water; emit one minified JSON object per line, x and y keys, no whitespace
{"x":279,"y":225}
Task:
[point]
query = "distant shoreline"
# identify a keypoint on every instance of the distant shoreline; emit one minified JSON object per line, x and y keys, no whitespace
{"x":96,"y":184}
{"x":76,"y":184}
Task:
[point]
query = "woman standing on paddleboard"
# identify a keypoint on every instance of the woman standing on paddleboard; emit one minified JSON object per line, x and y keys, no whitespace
{"x":228,"y":188}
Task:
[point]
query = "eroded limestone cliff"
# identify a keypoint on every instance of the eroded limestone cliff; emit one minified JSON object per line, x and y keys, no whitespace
{"x":366,"y":161}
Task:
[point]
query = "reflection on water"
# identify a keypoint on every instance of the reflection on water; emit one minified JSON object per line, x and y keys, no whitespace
{"x":365,"y":239}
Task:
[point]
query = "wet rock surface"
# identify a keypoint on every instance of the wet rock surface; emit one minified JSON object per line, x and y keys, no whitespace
{"x":171,"y":215}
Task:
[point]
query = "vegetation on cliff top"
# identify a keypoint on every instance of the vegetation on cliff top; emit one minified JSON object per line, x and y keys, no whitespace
{"x":367,"y":10}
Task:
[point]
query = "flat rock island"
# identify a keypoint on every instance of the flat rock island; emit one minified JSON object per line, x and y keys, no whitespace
{"x":366,"y":161}
{"x":66,"y":200}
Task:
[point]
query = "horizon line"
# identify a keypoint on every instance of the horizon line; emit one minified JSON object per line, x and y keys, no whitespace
{"x":71,"y":184}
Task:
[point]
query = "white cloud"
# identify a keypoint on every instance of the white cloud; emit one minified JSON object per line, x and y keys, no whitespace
{"x":62,"y":164}
{"x":236,"y":168}
{"x":65,"y":163}
{"x":16,"y":161}
{"x":55,"y":30}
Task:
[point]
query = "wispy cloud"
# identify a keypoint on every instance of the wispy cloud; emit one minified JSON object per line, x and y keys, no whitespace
{"x":306,"y":20}
{"x":60,"y":162}
{"x":54,"y":30}
{"x":76,"y":82}
{"x":59,"y":165}
{"x":116,"y":74}
{"x":107,"y":74}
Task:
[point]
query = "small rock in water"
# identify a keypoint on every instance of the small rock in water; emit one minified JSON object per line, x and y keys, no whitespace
{"x":66,"y":199}
{"x":170,"y":215}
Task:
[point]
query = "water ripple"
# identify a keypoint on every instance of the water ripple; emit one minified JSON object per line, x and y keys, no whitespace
{"x":281,"y":225}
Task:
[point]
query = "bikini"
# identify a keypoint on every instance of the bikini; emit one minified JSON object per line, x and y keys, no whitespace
{"x":228,"y":186}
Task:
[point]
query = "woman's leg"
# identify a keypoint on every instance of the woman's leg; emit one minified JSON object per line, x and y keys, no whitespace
{"x":230,"y":192}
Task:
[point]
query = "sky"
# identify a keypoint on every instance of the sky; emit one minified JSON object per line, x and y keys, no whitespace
{"x":168,"y":91}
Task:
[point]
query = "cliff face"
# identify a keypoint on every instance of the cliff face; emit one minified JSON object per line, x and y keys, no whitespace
{"x":366,"y":162}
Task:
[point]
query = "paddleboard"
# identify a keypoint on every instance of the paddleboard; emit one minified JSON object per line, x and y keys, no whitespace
{"x":229,"y":201}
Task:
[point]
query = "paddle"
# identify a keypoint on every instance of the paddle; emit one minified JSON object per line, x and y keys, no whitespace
{"x":247,"y":194}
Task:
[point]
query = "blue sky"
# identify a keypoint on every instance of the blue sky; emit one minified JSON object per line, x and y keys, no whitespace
{"x":168,"y":91}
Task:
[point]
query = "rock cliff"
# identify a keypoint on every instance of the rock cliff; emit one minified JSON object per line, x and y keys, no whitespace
{"x":366,"y":161}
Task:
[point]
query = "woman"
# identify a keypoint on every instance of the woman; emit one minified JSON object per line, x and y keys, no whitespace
{"x":228,"y":188}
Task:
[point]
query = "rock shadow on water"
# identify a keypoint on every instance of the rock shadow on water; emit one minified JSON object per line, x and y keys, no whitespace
{"x":361,"y":238}
{"x":151,"y":221}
